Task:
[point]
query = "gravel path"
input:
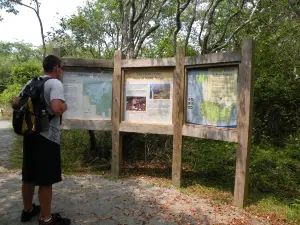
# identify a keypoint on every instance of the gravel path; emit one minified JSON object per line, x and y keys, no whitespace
{"x":91,"y":200}
{"x":7,"y":136}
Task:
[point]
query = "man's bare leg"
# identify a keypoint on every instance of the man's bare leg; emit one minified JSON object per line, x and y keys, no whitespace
{"x":45,"y":197}
{"x":27,"y":194}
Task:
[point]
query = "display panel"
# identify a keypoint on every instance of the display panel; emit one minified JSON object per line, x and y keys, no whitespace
{"x":148,"y":96}
{"x":88,"y":95}
{"x":212,"y":96}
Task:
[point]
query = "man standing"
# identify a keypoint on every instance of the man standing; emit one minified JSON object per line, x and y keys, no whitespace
{"x":41,"y":151}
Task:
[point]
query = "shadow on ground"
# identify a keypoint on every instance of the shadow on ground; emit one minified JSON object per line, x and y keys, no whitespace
{"x":96,"y":200}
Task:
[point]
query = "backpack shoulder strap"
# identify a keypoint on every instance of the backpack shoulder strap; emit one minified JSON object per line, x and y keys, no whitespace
{"x":41,"y":83}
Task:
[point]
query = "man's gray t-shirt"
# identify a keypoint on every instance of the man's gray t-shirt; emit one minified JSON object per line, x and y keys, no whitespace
{"x":53,"y":89}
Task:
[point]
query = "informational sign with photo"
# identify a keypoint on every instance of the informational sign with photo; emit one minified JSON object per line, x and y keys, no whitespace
{"x":148,"y":96}
{"x":88,"y":95}
{"x":212,"y":96}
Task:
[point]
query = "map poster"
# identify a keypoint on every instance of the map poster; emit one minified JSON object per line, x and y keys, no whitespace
{"x":88,"y":95}
{"x":148,"y":96}
{"x":212,"y":97}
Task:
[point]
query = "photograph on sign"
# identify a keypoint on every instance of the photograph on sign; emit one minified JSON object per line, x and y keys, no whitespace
{"x":212,"y":97}
{"x":148,"y":96}
{"x":135,"y":103}
{"x":88,"y":95}
{"x":160,"y":91}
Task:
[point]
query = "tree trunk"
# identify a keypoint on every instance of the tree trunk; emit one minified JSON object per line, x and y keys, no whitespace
{"x":42,"y":34}
{"x":92,"y":140}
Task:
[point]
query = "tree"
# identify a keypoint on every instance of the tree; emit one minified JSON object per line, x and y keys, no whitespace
{"x":277,"y":65}
{"x":138,"y":22}
{"x":105,"y":26}
{"x":12,"y":54}
{"x":9,"y":6}
{"x":218,"y":21}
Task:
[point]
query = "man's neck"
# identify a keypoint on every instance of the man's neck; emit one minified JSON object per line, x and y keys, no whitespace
{"x":50,"y":75}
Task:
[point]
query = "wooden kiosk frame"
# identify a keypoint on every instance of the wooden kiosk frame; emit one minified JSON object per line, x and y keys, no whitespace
{"x":242,"y":60}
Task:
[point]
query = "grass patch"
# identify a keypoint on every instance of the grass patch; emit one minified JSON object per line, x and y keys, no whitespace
{"x":277,"y":210}
{"x":16,"y":155}
{"x":5,"y":112}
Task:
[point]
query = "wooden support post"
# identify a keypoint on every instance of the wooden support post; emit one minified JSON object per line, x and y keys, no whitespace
{"x":116,"y":115}
{"x":245,"y":108}
{"x":178,"y":111}
{"x":56,"y":52}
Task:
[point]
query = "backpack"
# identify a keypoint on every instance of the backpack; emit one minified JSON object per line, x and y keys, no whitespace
{"x":29,"y":113}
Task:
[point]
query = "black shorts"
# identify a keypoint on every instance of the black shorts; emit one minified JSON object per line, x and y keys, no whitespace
{"x":41,"y":161}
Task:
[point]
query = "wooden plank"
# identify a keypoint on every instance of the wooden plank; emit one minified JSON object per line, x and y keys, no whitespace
{"x":146,"y":128}
{"x":74,"y":62}
{"x":135,"y":63}
{"x":87,"y":69}
{"x":225,"y":57}
{"x":185,"y":91}
{"x":86,"y":125}
{"x":178,"y":111}
{"x":56,"y":52}
{"x":123,"y":102}
{"x":245,"y":112}
{"x":116,"y":116}
{"x":214,"y":133}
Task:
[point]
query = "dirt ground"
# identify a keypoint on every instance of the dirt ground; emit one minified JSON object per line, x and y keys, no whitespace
{"x":91,"y":199}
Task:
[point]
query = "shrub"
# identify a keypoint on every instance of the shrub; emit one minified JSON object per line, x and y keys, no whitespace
{"x":23,"y":72}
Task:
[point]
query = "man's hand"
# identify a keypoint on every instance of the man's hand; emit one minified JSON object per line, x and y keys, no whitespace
{"x":58,"y":107}
{"x":15,"y":102}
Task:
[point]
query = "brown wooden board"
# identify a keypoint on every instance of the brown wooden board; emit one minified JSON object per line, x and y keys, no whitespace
{"x":76,"y":62}
{"x":213,"y":133}
{"x":116,"y":116}
{"x":216,"y":58}
{"x":245,"y":112}
{"x":146,"y":63}
{"x":146,"y":128}
{"x":178,"y":113}
{"x":69,"y":124}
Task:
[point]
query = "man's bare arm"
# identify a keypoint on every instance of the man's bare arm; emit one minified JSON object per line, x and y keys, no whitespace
{"x":58,"y":107}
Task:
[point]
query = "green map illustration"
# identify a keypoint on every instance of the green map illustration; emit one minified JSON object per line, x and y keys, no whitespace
{"x":216,"y":112}
{"x":212,"y":97}
{"x":100,"y":94}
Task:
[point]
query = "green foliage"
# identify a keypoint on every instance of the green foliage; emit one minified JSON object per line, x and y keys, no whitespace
{"x":73,"y":148}
{"x":18,"y":52}
{"x":5,"y":69}
{"x":275,"y":170}
{"x":18,"y":65}
{"x":210,"y":159}
{"x":147,"y":148}
{"x":23,"y":72}
{"x":8,"y":94}
{"x":277,"y":66}
{"x":12,"y":54}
